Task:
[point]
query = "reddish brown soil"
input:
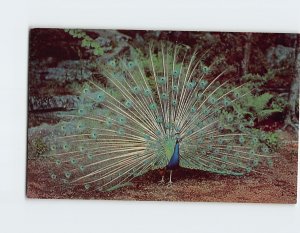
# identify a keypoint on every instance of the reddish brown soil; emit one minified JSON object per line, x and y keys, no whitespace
{"x":276,"y":185}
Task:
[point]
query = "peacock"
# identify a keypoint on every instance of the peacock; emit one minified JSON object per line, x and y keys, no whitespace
{"x":159,"y":108}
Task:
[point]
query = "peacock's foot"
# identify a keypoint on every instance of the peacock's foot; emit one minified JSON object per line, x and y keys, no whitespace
{"x":162,"y":181}
{"x":170,"y":183}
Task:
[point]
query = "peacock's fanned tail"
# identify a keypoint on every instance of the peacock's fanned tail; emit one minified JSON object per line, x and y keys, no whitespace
{"x":127,"y":125}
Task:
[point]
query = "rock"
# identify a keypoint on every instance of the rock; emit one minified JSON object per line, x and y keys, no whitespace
{"x":276,"y":55}
{"x":66,"y":102}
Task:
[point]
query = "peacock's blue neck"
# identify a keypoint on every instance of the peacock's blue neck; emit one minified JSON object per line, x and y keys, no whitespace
{"x":174,"y":161}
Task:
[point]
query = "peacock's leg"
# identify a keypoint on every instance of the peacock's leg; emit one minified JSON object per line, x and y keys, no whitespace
{"x":170,"y":180}
{"x":162,"y":180}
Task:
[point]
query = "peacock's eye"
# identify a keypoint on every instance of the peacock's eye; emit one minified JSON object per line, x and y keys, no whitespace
{"x":241,"y":139}
{"x":130,"y":64}
{"x":174,"y":102}
{"x":67,"y":174}
{"x":128,"y":103}
{"x":90,"y":156}
{"x":58,"y":162}
{"x":112,"y":63}
{"x":153,"y":106}
{"x":176,"y":73}
{"x":193,"y":109}
{"x":205,"y":69}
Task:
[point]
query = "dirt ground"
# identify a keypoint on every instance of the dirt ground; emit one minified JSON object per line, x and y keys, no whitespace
{"x":277,"y":185}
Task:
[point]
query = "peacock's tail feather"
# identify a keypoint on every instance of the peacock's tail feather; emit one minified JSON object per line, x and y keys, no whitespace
{"x":129,"y":125}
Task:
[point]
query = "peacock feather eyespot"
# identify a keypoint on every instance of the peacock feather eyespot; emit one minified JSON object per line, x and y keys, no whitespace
{"x":229,"y":148}
{"x":159,"y":119}
{"x":121,"y":132}
{"x":81,"y":168}
{"x":217,"y":151}
{"x":236,"y":94}
{"x":242,"y":139}
{"x":193,"y":109}
{"x":63,"y":127}
{"x":130,"y":64}
{"x":212,"y":100}
{"x":175,"y":88}
{"x":73,"y":161}
{"x":205,"y":69}
{"x":90,"y":156}
{"x":220,"y":141}
{"x":220,"y":128}
{"x":53,"y":176}
{"x":66,"y":147}
{"x":147,"y":92}
{"x":226,"y":102}
{"x":200,"y":124}
{"x":176,"y":73}
{"x":164,"y":96}
{"x":242,"y":127}
{"x":251,"y":153}
{"x":67,"y":174}
{"x":81,"y":148}
{"x":80,"y":126}
{"x":128,"y":104}
{"x":190,"y":85}
{"x":108,"y":122}
{"x":58,"y":162}
{"x":94,"y":134}
{"x":53,"y":147}
{"x":121,"y":120}
{"x":254,"y":140}
{"x":112,"y":63}
{"x":136,"y":90}
{"x":157,"y":132}
{"x":229,"y":118}
{"x":100,"y":96}
{"x":153,"y":106}
{"x":85,"y":90}
{"x":162,"y":80}
{"x":174,"y":102}
{"x":209,"y":147}
{"x":202,"y":84}
{"x":81,"y":111}
{"x":265,"y":150}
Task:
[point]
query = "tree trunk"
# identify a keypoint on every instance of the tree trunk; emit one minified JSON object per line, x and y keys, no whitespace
{"x":247,"y":52}
{"x":291,"y":119}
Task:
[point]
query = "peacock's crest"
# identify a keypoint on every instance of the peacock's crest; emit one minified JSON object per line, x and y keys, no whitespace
{"x":128,"y":124}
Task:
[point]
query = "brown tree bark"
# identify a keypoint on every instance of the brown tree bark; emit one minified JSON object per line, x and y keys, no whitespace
{"x":247,"y":52}
{"x":292,"y":120}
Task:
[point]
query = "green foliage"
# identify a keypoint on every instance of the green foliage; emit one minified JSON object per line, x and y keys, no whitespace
{"x":258,"y":106}
{"x":87,"y":42}
{"x":257,"y":80}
